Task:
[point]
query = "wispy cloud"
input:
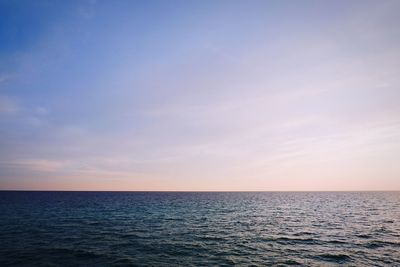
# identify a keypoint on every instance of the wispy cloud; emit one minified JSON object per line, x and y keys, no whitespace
{"x":8,"y":106}
{"x":34,"y":165}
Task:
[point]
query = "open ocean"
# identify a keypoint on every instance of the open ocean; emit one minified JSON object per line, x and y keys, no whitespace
{"x":199,"y":229}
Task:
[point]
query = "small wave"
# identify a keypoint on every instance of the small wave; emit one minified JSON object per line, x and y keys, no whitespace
{"x":336,"y":242}
{"x":379,"y":244}
{"x":93,"y":223}
{"x":128,"y":235}
{"x":364,"y":236}
{"x":302,"y":233}
{"x":337,"y":258}
{"x":289,"y":240}
{"x":212,"y":238}
{"x":383,"y":230}
{"x":123,"y":262}
{"x":291,"y":262}
{"x":296,"y":240}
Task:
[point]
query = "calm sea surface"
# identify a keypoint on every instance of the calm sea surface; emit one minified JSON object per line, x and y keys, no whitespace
{"x":198,"y":229}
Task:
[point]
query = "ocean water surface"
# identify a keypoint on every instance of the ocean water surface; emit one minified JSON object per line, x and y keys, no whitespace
{"x":199,"y":229}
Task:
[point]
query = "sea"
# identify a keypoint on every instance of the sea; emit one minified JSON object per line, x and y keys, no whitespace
{"x":199,"y":228}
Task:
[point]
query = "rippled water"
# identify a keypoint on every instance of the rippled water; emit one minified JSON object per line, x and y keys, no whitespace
{"x":162,"y":229}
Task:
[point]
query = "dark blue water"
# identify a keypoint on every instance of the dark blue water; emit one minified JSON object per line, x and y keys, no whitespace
{"x":198,"y":229}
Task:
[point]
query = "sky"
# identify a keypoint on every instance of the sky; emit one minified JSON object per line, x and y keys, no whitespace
{"x":200,"y":95}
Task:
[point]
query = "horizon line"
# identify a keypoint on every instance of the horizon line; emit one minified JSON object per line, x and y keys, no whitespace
{"x":194,"y":191}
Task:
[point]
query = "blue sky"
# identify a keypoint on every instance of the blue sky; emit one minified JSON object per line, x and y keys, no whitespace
{"x":200,"y":95}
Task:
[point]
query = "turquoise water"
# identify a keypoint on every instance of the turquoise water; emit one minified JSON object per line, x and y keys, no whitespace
{"x":199,"y":229}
